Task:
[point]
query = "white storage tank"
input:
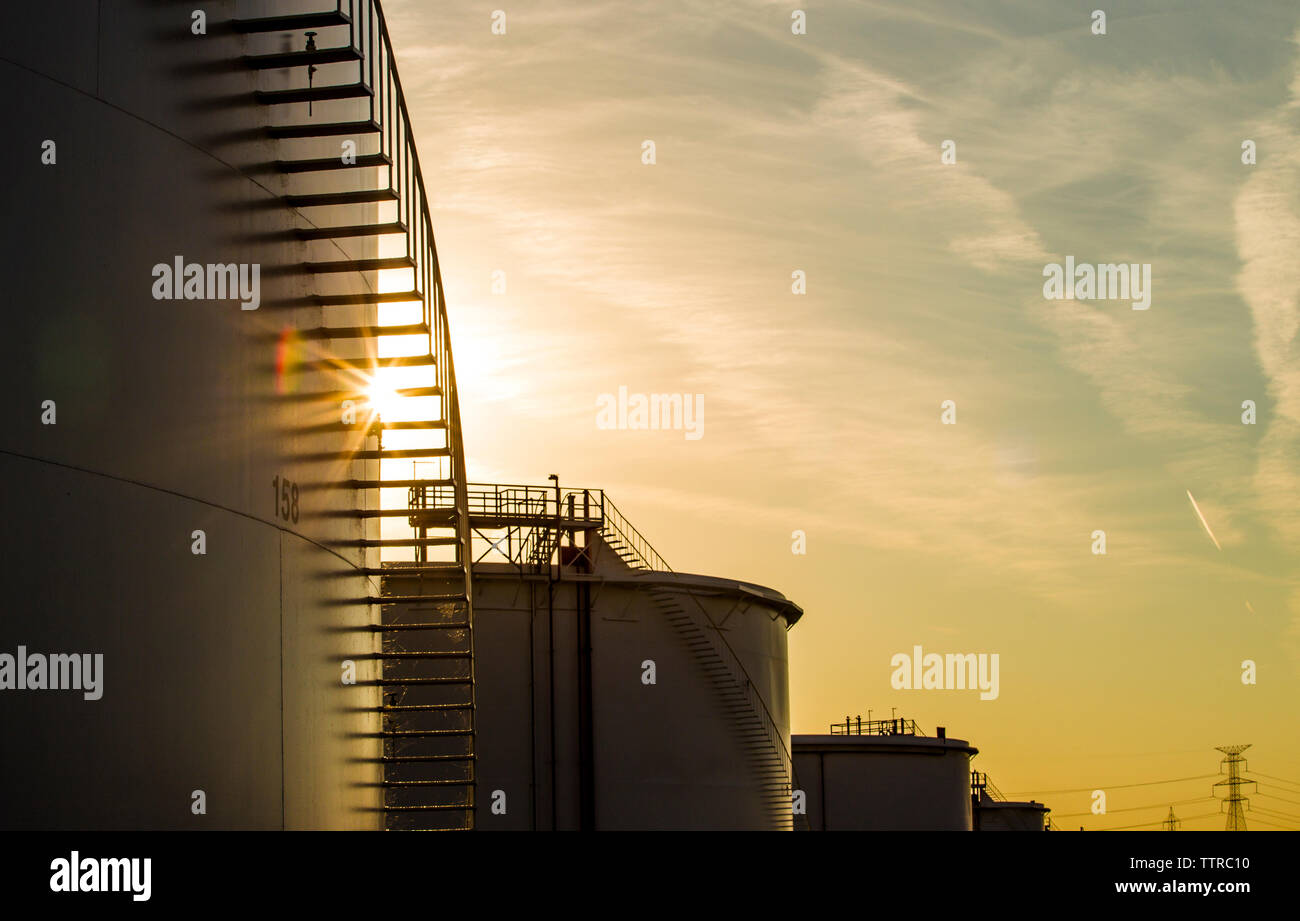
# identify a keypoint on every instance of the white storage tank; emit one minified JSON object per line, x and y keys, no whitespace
{"x":883,"y":775}
{"x":614,"y":695}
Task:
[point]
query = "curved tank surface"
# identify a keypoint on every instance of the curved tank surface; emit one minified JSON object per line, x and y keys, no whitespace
{"x":181,"y":455}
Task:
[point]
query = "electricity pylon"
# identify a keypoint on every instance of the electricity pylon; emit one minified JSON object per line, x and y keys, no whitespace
{"x":1234,"y":783}
{"x":1171,"y":822}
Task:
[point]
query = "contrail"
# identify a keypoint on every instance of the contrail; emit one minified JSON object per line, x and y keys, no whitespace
{"x":1205,"y":524}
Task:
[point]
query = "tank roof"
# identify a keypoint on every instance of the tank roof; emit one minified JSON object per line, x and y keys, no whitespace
{"x":879,"y":744}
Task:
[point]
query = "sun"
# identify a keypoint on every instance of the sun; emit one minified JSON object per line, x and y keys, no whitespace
{"x":384,"y":401}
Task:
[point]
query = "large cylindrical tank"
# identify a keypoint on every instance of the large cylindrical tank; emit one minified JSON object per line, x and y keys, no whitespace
{"x":132,"y":423}
{"x":1004,"y":815}
{"x":675,"y":743}
{"x":885,"y":782}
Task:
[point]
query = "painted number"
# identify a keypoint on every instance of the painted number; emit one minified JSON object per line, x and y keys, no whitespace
{"x":286,"y":499}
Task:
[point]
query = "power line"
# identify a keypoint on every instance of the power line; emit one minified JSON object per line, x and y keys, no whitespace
{"x":1118,"y":786}
{"x":1181,"y":802}
{"x":1276,"y":814}
{"x":1282,"y":779}
{"x":1161,"y":822}
{"x":1282,"y":798}
{"x":1274,"y":825}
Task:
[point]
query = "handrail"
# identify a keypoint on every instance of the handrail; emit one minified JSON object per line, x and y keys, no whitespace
{"x":633,"y":538}
{"x":369,"y":34}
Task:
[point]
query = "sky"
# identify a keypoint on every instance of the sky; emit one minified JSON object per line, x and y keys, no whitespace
{"x":822,"y":153}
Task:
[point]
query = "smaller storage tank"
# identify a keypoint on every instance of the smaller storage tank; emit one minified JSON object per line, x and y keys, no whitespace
{"x":883,"y":775}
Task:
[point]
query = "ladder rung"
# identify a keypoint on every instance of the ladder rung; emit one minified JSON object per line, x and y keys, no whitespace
{"x":350,"y":230}
{"x":364,"y":161}
{"x":313,"y":94}
{"x":324,"y":129}
{"x":301,"y":58}
{"x":294,"y":23}
{"x":321,"y":199}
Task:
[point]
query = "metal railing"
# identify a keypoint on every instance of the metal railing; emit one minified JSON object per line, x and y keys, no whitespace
{"x":980,"y":784}
{"x":547,"y":510}
{"x":377,"y":70}
{"x":635,"y":542}
{"x":869,"y":727}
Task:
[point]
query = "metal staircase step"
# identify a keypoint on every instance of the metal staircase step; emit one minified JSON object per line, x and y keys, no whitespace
{"x":401,"y":453}
{"x":425,"y":654}
{"x":367,"y":297}
{"x":463,"y":680}
{"x":313,"y":94}
{"x":405,"y":542}
{"x":415,"y":424}
{"x":360,"y":265}
{"x":384,"y":628}
{"x":386,"y":484}
{"x":322,"y":199}
{"x":429,"y":807}
{"x":397,"y":512}
{"x":418,"y":392}
{"x":442,"y":598}
{"x":283,"y":59}
{"x":324,"y":129}
{"x":293,"y":23}
{"x":364,"y":332}
{"x":364,"y":161}
{"x":424,"y":733}
{"x":366,"y":365}
{"x":350,"y":230}
{"x":469,"y":781}
{"x":417,"y":759}
{"x":411,"y":708}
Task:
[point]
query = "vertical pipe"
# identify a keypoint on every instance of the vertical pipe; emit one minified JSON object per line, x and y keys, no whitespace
{"x":532,"y":699}
{"x":586,"y":741}
{"x":550,"y":673}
